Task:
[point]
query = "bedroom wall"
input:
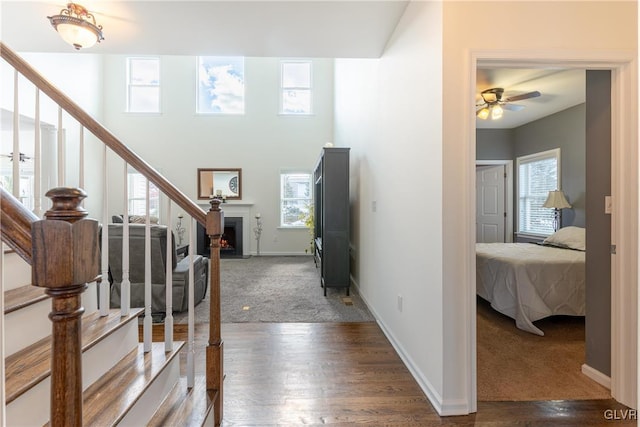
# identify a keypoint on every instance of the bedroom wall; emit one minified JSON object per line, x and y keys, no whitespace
{"x":598,"y":257}
{"x":564,"y":130}
{"x":494,"y":144}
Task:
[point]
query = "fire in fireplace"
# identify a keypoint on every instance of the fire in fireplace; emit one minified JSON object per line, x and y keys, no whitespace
{"x":230,"y":242}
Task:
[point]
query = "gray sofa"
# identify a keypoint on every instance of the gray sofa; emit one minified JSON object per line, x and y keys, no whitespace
{"x":180,"y":276}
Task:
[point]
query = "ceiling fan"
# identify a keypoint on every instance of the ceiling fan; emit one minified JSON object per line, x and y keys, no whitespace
{"x":494,"y":105}
{"x":22,"y":158}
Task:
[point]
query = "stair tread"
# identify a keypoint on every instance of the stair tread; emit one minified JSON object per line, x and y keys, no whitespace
{"x":15,"y":299}
{"x":27,"y":367}
{"x":108,"y":400}
{"x":185,"y":407}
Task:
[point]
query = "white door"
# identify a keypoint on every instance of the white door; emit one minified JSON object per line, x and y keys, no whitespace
{"x":490,"y":203}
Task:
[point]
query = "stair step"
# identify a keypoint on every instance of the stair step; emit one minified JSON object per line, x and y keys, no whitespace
{"x":108,"y":401}
{"x":23,"y":296}
{"x":186,"y":407}
{"x":27,"y":367}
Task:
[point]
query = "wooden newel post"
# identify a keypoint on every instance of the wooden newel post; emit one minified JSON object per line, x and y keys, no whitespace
{"x":65,"y":259}
{"x":215,"y":227}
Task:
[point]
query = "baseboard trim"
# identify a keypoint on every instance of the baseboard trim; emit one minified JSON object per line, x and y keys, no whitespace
{"x":442,"y":407}
{"x":597,"y":376}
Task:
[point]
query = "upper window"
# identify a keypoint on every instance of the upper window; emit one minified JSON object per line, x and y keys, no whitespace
{"x":220,"y":85}
{"x":537,"y":175}
{"x":138,"y":195}
{"x":296,"y":87}
{"x":295,"y":198}
{"x":143,"y":85}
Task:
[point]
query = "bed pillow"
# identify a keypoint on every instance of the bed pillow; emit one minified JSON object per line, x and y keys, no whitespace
{"x":568,"y":237}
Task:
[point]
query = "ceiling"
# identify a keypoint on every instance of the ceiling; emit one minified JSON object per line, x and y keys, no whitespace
{"x":559,"y":90}
{"x":330,"y":29}
{"x":324,"y":29}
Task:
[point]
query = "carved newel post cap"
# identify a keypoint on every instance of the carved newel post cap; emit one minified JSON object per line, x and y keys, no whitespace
{"x":215,"y":219}
{"x":66,"y":204}
{"x":65,"y":246}
{"x":215,"y":204}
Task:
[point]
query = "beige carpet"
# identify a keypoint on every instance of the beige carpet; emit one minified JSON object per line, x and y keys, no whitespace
{"x":516,"y":365}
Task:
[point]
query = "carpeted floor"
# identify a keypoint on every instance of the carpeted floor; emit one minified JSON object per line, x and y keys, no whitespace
{"x":516,"y":365}
{"x":278,"y":289}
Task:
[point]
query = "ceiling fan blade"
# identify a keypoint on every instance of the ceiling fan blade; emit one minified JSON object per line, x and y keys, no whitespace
{"x":512,"y":107}
{"x":527,"y":95}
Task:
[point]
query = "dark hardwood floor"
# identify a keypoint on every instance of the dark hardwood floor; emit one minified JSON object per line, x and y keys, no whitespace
{"x":294,"y":374}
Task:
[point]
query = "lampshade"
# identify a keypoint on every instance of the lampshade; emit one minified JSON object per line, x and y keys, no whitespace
{"x":483,"y":113}
{"x":496,"y":112}
{"x":556,"y":200}
{"x":77,"y":26}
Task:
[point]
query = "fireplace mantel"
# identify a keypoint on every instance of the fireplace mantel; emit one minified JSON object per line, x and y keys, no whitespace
{"x":238,"y":209}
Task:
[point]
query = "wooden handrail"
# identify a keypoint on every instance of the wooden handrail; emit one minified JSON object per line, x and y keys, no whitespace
{"x":103,"y":134}
{"x":15,"y":225}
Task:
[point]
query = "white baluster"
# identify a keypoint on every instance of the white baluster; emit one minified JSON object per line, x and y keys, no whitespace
{"x":61,"y":150}
{"x":168,"y":320}
{"x":37,"y":161}
{"x":81,"y":160}
{"x":125,"y":287}
{"x":104,"y":284}
{"x":16,"y":139}
{"x":147,"y":275}
{"x":3,"y":421}
{"x":191,"y":350}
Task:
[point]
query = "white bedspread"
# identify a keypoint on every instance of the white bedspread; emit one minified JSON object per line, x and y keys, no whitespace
{"x":528,"y":282}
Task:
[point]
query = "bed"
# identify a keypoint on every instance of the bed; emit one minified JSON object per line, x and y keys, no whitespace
{"x":529,"y":282}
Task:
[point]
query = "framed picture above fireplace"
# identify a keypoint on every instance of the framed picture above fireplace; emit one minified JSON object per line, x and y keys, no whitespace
{"x":225,"y":183}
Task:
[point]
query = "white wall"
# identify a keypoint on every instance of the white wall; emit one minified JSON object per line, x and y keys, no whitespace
{"x":389,"y":111}
{"x":178,"y":141}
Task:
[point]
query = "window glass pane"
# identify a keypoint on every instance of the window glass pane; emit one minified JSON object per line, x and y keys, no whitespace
{"x":537,"y":175}
{"x":144,"y":71}
{"x":295,"y":195}
{"x":220,"y":85}
{"x":137,"y":195}
{"x":144,"y":99}
{"x":296,"y":74}
{"x":296,"y":101}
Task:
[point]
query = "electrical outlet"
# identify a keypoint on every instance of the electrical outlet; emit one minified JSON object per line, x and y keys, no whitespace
{"x":400,"y":303}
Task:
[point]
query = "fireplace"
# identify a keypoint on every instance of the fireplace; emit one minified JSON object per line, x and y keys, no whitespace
{"x":230,"y":242}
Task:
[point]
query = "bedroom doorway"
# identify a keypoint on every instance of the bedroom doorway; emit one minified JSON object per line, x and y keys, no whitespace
{"x":624,"y":277}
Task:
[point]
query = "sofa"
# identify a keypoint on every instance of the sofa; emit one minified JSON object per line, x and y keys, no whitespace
{"x":180,"y":276}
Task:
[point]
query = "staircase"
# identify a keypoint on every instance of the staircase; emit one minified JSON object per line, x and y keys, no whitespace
{"x":70,"y":360}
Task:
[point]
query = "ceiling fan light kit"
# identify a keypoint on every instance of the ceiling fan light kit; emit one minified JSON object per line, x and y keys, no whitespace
{"x":77,"y":26}
{"x":493,"y":105}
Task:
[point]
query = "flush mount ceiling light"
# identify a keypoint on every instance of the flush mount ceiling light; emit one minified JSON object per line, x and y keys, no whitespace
{"x":77,"y":26}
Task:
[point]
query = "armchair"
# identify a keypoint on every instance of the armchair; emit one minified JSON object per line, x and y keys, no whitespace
{"x":180,"y":276}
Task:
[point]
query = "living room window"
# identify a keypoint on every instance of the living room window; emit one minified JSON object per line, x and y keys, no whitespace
{"x":295,"y":198}
{"x":220,"y":85}
{"x":295,"y":86}
{"x":138,"y":194}
{"x":143,"y":85}
{"x":538,"y":174}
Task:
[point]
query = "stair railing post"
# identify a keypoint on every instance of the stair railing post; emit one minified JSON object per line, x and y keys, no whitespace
{"x":215,"y":226}
{"x":65,"y":259}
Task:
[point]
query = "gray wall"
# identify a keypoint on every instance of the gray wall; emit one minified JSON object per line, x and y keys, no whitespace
{"x":598,"y":258}
{"x":565,"y":130}
{"x":494,"y":144}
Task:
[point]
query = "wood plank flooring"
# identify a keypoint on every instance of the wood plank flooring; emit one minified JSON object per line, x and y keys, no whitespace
{"x":294,"y":374}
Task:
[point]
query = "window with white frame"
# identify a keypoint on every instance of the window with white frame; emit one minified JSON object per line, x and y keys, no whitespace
{"x":220,"y":85}
{"x":295,"y":85}
{"x":143,"y":85}
{"x":295,"y":198}
{"x":538,"y":174}
{"x":137,"y":187}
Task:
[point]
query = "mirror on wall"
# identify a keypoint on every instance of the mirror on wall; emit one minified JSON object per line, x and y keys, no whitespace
{"x":226,"y":183}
